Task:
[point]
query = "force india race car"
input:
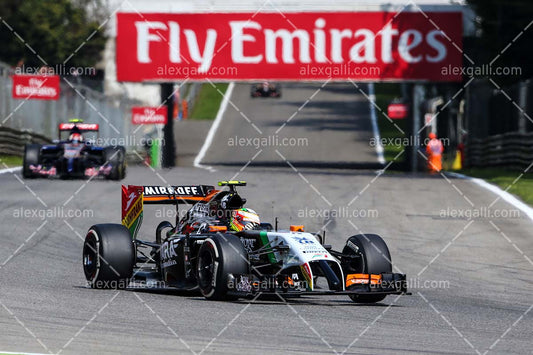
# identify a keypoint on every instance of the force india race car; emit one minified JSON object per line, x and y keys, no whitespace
{"x":265,"y":89}
{"x":198,"y":252}
{"x":74,"y":157}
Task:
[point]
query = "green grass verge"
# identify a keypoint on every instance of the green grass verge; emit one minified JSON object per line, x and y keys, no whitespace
{"x":385,"y":93}
{"x":208,"y":101}
{"x":10,"y":161}
{"x":505,"y":179}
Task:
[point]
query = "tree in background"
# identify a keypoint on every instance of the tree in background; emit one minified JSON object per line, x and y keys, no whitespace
{"x":499,"y":23}
{"x":54,"y":29}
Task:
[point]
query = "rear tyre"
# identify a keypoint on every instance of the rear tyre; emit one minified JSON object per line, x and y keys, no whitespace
{"x":219,"y":256}
{"x":31,"y":157}
{"x":108,"y":256}
{"x":116,"y":156}
{"x":375,"y":259}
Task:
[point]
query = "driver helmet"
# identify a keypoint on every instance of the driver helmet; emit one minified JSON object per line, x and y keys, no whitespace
{"x":266,"y":86}
{"x":76,"y":137}
{"x":231,"y":201}
{"x":244,"y":219}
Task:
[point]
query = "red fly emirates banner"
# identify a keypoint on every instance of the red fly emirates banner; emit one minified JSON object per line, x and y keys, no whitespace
{"x":43,"y":87}
{"x":149,"y":115}
{"x":293,"y":46}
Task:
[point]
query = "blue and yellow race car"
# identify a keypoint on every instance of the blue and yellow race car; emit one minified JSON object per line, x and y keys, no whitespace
{"x":74,"y":157}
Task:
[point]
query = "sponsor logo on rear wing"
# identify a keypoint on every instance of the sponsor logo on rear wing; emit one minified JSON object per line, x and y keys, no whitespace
{"x":81,"y":126}
{"x":197,"y":190}
{"x":177,"y":194}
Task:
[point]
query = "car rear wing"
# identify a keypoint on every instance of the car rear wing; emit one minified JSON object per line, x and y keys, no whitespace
{"x":177,"y":194}
{"x":83,"y":127}
{"x":134,"y":197}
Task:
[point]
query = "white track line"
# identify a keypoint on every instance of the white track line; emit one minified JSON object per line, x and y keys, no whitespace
{"x":509,"y":198}
{"x":375,"y":128}
{"x":10,"y":170}
{"x":213,"y":129}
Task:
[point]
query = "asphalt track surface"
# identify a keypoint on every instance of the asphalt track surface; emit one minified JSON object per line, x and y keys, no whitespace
{"x":483,"y":264}
{"x":312,"y":125}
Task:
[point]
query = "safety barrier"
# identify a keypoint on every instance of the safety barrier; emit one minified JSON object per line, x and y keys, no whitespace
{"x":12,"y":141}
{"x":513,"y":150}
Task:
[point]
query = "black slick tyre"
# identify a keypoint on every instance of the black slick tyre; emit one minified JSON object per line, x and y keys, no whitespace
{"x":108,"y":256}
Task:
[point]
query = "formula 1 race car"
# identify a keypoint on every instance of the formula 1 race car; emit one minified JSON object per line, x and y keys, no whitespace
{"x":265,"y":89}
{"x":74,"y":157}
{"x":213,"y":250}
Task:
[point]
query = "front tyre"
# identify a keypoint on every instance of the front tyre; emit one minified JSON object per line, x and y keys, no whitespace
{"x":31,"y":157}
{"x":108,"y":256}
{"x":375,"y":259}
{"x":219,"y":256}
{"x":116,"y":157}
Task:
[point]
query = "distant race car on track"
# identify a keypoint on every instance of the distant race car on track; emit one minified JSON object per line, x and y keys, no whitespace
{"x":223,"y":250}
{"x":74,"y":157}
{"x":265,"y":89}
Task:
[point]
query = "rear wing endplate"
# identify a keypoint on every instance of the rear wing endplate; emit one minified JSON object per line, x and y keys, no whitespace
{"x":134,"y":197}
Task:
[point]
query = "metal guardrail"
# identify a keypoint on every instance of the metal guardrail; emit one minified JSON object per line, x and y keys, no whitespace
{"x":513,"y":150}
{"x":12,"y":141}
